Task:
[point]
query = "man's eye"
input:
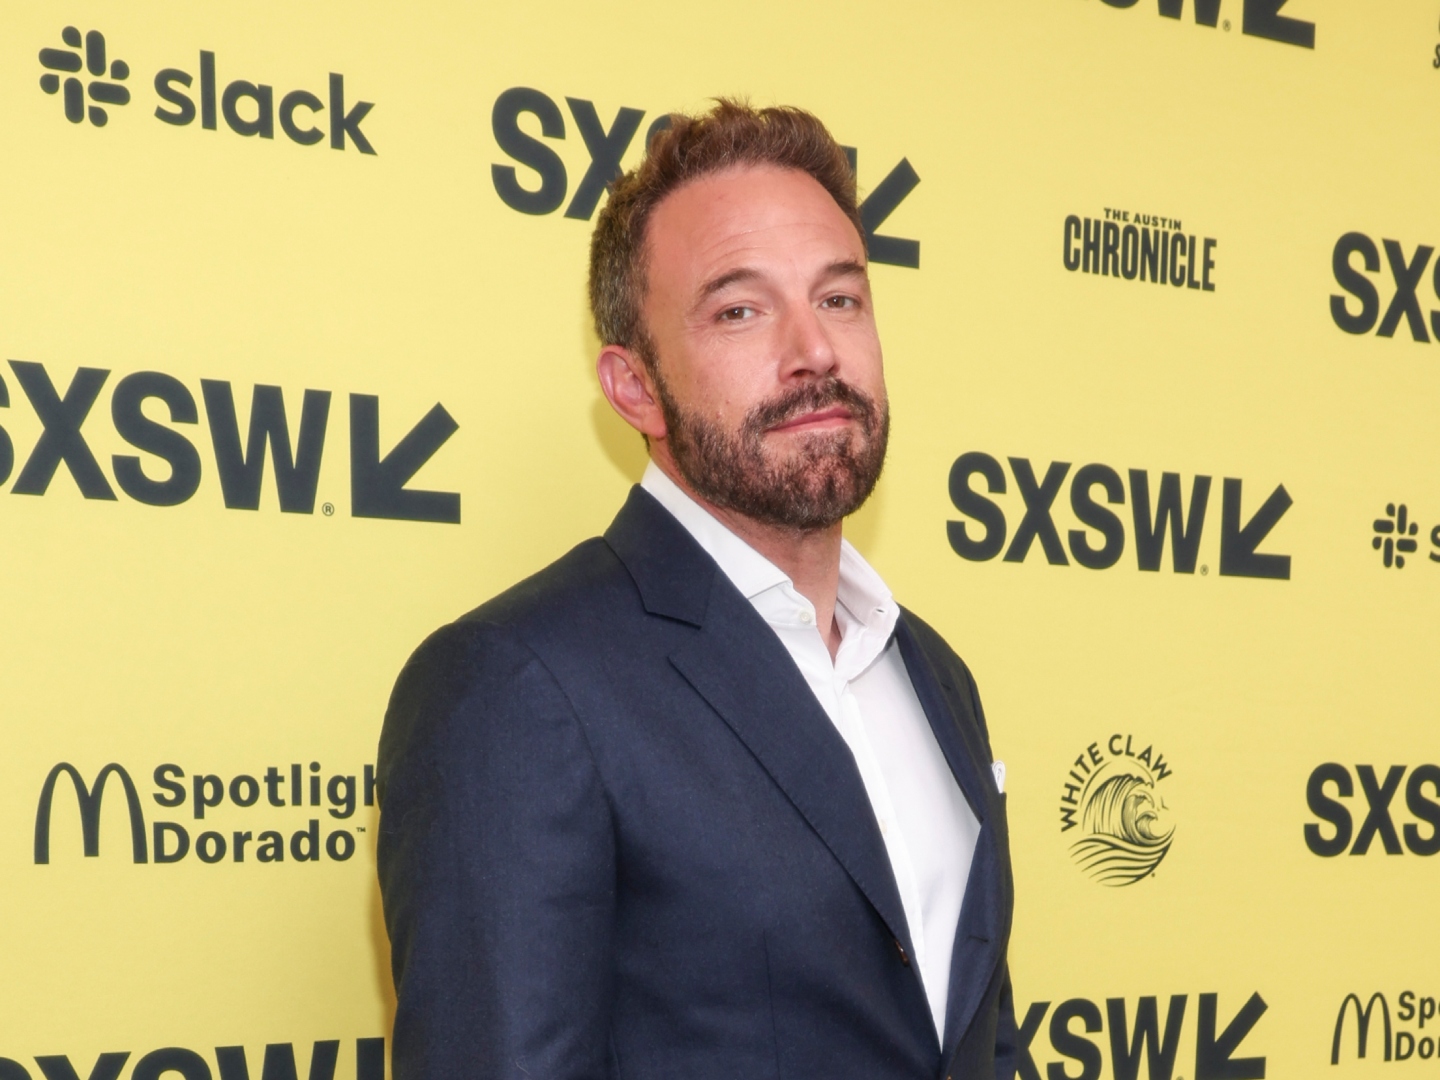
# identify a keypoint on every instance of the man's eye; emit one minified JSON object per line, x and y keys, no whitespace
{"x":734,"y":314}
{"x":839,"y":302}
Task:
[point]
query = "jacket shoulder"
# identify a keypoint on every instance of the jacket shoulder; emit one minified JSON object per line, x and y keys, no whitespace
{"x":489,"y":668}
{"x":586,"y":578}
{"x":556,"y":609}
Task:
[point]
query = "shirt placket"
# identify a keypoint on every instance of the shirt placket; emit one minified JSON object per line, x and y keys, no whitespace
{"x":879,"y":791}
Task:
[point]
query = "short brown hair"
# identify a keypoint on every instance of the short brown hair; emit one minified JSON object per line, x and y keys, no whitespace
{"x":730,"y":134}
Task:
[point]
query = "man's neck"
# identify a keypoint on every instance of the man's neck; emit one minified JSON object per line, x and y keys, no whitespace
{"x":810,"y":558}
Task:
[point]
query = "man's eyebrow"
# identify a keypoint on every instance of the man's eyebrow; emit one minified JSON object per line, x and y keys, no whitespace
{"x":844,"y":268}
{"x":730,"y":277}
{"x":838,"y":269}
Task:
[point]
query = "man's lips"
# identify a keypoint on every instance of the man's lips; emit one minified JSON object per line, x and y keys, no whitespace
{"x":834,"y":416}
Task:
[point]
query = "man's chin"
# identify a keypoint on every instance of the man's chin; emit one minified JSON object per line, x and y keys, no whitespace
{"x":823,"y":433}
{"x":819,"y":450}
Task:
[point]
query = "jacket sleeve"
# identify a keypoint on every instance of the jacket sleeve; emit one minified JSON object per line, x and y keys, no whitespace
{"x":497,"y":867}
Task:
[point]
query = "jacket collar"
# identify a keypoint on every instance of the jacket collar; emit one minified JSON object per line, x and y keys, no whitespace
{"x":672,"y":572}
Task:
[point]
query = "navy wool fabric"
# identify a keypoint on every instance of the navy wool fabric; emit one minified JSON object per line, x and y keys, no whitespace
{"x":620,"y":838}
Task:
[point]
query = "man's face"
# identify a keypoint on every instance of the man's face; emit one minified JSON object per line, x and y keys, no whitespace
{"x":766,"y":357}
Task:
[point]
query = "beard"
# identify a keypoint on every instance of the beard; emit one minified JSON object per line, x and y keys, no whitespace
{"x":826,"y":478}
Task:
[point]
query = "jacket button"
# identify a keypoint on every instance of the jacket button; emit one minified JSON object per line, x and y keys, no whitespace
{"x":904,"y":960}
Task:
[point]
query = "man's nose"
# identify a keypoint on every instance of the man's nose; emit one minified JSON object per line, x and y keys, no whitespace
{"x":807,"y":351}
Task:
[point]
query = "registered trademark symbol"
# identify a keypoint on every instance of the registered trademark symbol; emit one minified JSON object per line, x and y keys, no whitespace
{"x":328,"y":509}
{"x":1227,"y":27}
{"x":1203,"y":570}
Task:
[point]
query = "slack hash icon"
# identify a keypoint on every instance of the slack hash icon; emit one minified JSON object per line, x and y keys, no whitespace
{"x":1394,"y":535}
{"x":66,"y":60}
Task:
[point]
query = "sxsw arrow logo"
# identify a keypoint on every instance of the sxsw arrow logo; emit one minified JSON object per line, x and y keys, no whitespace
{"x":544,"y":184}
{"x":887,"y":195}
{"x":1238,"y":557}
{"x":1136,"y":1036}
{"x":1159,"y":512}
{"x":1259,"y":18}
{"x":1215,"y":1057}
{"x":169,"y":472}
{"x":377,"y":485}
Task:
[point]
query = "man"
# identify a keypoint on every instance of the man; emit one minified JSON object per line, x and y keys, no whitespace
{"x":699,"y":800}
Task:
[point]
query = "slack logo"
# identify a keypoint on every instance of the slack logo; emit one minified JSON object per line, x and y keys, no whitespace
{"x":258,"y":114}
{"x":66,"y":60}
{"x":248,"y":108}
{"x":1395,"y":537}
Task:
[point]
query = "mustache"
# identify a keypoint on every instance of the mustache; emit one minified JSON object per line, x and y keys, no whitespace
{"x":810,"y":397}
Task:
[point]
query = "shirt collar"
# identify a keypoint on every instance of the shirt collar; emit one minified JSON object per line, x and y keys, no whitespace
{"x":863,"y":602}
{"x":747,"y":569}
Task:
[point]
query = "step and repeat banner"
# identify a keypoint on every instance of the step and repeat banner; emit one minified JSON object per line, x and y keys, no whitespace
{"x":295,"y":365}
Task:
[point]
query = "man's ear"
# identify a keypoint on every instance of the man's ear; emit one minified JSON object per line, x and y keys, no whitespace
{"x":628,"y":386}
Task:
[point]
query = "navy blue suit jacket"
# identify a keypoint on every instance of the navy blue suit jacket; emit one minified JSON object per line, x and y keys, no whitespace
{"x":619,"y":838}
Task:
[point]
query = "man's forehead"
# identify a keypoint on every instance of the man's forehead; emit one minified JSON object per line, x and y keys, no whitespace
{"x":749,"y":208}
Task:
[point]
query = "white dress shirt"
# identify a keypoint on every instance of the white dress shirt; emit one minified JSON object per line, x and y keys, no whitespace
{"x":928,"y":828}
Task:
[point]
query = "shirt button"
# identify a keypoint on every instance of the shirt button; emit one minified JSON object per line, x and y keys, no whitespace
{"x":806,"y":617}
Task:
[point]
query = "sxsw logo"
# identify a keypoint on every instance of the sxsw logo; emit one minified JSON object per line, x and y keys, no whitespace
{"x":1398,"y":1045}
{"x":1259,"y":18}
{"x":605,"y":146}
{"x":377,"y":482}
{"x":248,"y":108}
{"x":1377,"y":823}
{"x":1359,"y":310}
{"x":1138,"y":1037}
{"x":278,"y":1063}
{"x":206,"y":793}
{"x":1157,"y":511}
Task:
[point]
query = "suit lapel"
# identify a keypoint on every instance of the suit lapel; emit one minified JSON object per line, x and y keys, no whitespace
{"x":982,"y":932}
{"x":739,"y":667}
{"x":743,"y":672}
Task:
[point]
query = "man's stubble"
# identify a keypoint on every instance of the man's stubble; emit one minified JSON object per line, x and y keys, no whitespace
{"x":826,"y":479}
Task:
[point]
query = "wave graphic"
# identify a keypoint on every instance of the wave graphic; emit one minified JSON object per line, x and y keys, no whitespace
{"x":1126,"y":841}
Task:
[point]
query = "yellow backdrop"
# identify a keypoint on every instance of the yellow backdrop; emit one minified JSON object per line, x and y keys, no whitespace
{"x":1159,"y":261}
